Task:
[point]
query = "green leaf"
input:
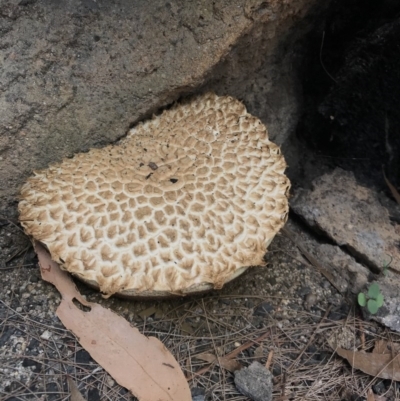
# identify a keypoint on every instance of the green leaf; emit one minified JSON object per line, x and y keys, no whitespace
{"x":372,"y":306}
{"x":373,"y":290}
{"x":362,"y":299}
{"x":379,"y":300}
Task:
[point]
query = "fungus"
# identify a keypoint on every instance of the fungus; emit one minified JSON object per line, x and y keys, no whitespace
{"x":185,"y":203}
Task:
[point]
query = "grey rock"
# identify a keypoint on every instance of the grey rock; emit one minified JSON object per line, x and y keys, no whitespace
{"x":349,"y":275}
{"x":352,"y":216}
{"x":255,"y":382}
{"x":389,"y":313}
{"x":99,"y":66}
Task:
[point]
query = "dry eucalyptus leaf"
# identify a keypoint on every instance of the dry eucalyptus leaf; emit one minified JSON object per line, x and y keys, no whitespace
{"x":139,"y":363}
{"x":384,"y":347}
{"x":384,"y":366}
{"x":75,"y":393}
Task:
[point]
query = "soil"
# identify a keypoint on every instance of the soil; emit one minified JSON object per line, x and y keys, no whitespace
{"x":288,"y":297}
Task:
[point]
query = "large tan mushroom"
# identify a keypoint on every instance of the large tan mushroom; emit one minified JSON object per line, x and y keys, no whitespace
{"x":185,"y":203}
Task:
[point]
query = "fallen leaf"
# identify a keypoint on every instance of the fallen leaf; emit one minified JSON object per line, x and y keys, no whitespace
{"x":384,"y":366}
{"x":141,"y":364}
{"x":229,"y":364}
{"x":75,"y":393}
{"x":382,"y":347}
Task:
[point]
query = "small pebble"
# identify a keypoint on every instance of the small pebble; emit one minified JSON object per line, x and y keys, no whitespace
{"x":255,"y":382}
{"x":310,"y":301}
{"x":46,"y":335}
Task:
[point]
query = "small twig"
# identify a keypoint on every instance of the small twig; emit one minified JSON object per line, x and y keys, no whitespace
{"x":13,"y":267}
{"x":362,"y":335}
{"x":283,"y":386}
{"x":269,"y":360}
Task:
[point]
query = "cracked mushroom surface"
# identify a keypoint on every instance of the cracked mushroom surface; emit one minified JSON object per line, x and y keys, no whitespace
{"x":185,"y":203}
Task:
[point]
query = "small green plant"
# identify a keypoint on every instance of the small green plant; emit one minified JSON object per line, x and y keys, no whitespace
{"x":386,"y":266}
{"x":373,"y":300}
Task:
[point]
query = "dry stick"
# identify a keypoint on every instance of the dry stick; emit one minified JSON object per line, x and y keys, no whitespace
{"x":269,"y":360}
{"x":289,"y":234}
{"x":362,"y":335}
{"x":283,"y":386}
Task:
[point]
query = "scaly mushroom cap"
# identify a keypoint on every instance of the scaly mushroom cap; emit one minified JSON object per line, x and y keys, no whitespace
{"x":184,"y":203}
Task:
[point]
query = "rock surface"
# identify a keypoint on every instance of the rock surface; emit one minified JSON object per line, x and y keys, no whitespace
{"x":76,"y":75}
{"x":255,"y":382}
{"x":389,"y":313}
{"x":349,"y":276}
{"x":351,"y":216}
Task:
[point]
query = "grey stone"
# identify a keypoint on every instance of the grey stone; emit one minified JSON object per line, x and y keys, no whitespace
{"x":389,"y":313}
{"x":348,"y":274}
{"x":78,"y":74}
{"x":352,"y":216}
{"x":255,"y":382}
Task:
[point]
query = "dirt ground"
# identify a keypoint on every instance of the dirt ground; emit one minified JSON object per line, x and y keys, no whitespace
{"x":287,"y":299}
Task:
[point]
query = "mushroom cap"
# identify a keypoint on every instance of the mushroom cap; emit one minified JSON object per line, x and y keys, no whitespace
{"x":185,"y":203}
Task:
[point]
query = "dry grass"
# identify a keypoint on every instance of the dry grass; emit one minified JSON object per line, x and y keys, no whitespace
{"x":303,"y":364}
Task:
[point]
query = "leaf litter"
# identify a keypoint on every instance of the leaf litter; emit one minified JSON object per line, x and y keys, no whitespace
{"x":382,"y":362}
{"x":139,"y":363}
{"x":221,"y":321}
